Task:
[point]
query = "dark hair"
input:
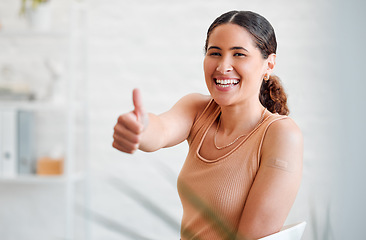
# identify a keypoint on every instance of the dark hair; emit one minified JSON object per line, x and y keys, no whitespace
{"x":272,"y":95}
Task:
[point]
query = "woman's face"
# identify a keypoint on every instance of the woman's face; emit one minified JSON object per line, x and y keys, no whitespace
{"x":234,"y":67}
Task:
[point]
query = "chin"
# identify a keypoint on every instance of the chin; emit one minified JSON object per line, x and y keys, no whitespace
{"x":223,"y":101}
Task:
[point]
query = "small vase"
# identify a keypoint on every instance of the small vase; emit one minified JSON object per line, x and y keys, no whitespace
{"x":39,"y":18}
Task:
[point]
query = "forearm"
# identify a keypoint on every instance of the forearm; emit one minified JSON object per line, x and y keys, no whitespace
{"x":153,"y":136}
{"x":172,"y":127}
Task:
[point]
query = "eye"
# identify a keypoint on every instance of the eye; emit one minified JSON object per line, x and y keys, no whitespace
{"x":214,"y":54}
{"x":239,"y":55}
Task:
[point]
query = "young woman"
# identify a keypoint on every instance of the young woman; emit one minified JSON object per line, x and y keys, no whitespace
{"x":244,"y":165}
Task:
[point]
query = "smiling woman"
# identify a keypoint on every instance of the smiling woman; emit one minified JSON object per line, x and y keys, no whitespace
{"x":244,"y":164}
{"x":258,"y":36}
{"x":232,"y":56}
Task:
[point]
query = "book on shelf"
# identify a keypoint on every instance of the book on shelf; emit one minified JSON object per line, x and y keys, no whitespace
{"x":16,"y":142}
{"x":25,"y":143}
{"x":8,"y":146}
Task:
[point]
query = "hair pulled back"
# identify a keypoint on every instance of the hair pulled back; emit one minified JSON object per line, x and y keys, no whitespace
{"x":272,"y":95}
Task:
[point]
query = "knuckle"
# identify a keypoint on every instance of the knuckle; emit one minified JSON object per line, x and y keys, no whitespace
{"x":117,"y":137}
{"x":136,"y":139}
{"x":130,"y":150}
{"x":116,"y":146}
{"x":122,"y":118}
{"x":134,"y":147}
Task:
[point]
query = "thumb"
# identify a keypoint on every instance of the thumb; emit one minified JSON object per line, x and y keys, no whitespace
{"x":137,"y":102}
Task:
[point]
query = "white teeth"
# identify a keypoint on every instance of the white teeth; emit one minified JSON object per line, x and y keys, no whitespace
{"x":226,"y":81}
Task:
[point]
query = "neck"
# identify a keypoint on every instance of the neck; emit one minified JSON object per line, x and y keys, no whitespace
{"x":240,"y":118}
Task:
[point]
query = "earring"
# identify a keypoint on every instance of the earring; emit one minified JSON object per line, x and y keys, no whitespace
{"x":266,"y":77}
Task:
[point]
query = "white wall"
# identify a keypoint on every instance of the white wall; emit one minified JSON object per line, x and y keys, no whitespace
{"x":158,"y":47}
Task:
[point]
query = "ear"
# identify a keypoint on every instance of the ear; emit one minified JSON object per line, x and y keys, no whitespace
{"x":271,"y":63}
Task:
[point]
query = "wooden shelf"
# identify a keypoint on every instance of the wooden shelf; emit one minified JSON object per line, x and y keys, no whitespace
{"x":30,"y":179}
{"x":31,"y":33}
{"x":39,"y":105}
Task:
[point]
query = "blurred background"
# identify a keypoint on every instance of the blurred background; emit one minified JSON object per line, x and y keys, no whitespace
{"x":67,"y":70}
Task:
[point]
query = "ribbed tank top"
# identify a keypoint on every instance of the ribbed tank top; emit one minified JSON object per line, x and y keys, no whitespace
{"x":213,"y":192}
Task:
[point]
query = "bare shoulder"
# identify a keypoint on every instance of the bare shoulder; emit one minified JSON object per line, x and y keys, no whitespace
{"x":185,"y":111}
{"x":283,"y":140}
{"x":285,"y":129}
{"x":196,"y":99}
{"x":194,"y":102}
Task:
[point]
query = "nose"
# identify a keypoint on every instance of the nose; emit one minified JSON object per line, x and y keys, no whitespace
{"x":224,"y":66}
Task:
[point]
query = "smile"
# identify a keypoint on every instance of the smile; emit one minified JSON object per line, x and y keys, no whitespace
{"x":226,"y":82}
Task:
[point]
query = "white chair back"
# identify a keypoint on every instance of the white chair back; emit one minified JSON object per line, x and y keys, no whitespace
{"x":289,"y":232}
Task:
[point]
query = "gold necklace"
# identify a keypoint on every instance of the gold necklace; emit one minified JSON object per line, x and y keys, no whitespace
{"x":236,"y":139}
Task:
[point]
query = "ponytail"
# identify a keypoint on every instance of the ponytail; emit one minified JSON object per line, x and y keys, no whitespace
{"x":273,"y":96}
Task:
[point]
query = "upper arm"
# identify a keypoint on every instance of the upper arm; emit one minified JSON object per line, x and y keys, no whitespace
{"x":277,"y":181}
{"x":178,"y":121}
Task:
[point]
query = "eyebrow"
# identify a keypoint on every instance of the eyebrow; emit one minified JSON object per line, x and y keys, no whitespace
{"x":233,"y":48}
{"x":239,"y":48}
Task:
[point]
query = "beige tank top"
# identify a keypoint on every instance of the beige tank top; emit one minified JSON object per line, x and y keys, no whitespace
{"x":213,"y":192}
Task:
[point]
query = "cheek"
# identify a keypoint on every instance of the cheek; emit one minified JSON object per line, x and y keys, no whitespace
{"x":249,"y":69}
{"x":208,"y":66}
{"x":208,"y":71}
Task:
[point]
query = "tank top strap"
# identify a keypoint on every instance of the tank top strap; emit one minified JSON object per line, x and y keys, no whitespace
{"x":204,"y":120}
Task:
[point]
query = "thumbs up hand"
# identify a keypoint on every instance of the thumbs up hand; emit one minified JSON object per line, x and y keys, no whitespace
{"x":129,"y":127}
